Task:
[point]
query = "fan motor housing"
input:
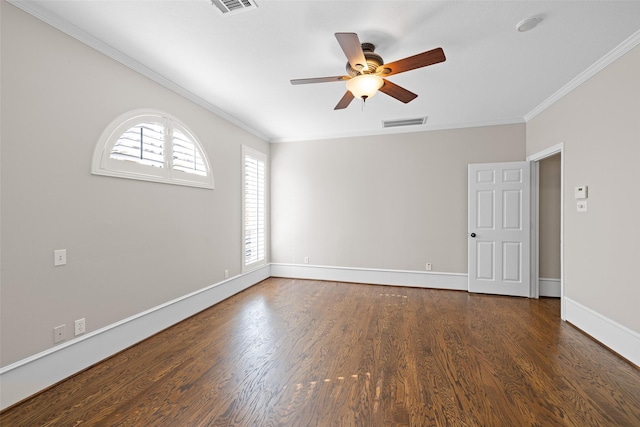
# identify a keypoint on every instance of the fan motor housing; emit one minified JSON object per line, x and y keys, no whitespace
{"x":373,"y":61}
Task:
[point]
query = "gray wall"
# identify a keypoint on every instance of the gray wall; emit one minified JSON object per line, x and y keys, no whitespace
{"x":131,"y":245}
{"x":385,"y":202}
{"x":599,"y":124}
{"x":550,"y":217}
{"x":393,"y":201}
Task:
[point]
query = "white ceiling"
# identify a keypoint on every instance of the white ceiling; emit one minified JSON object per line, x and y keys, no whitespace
{"x":240,"y":64}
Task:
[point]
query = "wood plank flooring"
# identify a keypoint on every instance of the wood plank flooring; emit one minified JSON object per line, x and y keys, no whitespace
{"x":307,"y":353}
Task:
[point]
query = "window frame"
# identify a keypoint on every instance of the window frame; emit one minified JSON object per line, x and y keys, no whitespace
{"x":103,"y":164}
{"x":260,"y":157}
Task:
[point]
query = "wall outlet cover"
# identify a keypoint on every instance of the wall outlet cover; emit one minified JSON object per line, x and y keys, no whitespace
{"x":59,"y":334}
{"x":80,"y":327}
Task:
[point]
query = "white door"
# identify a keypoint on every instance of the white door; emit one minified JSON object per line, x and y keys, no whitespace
{"x":499,"y":228}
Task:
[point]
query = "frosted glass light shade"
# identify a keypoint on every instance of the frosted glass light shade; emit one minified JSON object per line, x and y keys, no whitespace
{"x":365,"y":85}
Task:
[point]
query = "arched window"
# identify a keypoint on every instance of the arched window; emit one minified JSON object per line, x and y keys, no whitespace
{"x":152,"y":146}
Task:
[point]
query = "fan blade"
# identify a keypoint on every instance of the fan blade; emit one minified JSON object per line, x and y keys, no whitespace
{"x":397,"y":92}
{"x":412,"y":62}
{"x":345,"y":101}
{"x":319,"y":80}
{"x":350,"y":44}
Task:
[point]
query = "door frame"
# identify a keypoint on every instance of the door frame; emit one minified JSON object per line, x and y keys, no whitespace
{"x":535,"y":221}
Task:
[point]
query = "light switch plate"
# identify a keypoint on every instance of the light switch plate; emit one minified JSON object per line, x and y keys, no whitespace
{"x":59,"y":257}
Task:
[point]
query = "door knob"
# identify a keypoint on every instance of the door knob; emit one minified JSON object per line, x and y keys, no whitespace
{"x":472,"y":234}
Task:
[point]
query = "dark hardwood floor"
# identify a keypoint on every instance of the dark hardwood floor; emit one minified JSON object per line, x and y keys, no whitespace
{"x":307,"y":353}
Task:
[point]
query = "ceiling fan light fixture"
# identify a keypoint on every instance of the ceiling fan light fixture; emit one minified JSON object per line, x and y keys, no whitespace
{"x":364,"y":86}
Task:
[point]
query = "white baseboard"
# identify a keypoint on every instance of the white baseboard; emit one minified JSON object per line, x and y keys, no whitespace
{"x":26,"y":377}
{"x":618,"y":338}
{"x":419,"y":279}
{"x":549,"y":287}
{"x":33,"y":374}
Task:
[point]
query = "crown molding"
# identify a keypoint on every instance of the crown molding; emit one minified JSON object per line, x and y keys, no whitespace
{"x":395,"y":131}
{"x":35,"y":10}
{"x":594,"y":69}
{"x":44,"y":15}
{"x":86,"y":38}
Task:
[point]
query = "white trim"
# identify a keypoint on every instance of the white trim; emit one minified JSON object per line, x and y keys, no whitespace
{"x":84,"y":37}
{"x":550,"y":287}
{"x":397,"y":130}
{"x":617,"y":337}
{"x":35,"y":10}
{"x":547,"y":152}
{"x":418,"y":279}
{"x":28,"y":376}
{"x":535,"y":158}
{"x":534,"y":218}
{"x":594,"y":69}
{"x":35,"y":373}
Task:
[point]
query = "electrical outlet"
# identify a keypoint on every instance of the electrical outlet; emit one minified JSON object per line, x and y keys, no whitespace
{"x":80,"y":327}
{"x":226,"y":274}
{"x":59,"y":333}
{"x":428,"y":266}
{"x":306,"y":260}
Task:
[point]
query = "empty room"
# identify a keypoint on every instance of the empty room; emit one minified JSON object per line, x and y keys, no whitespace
{"x":327,"y":213}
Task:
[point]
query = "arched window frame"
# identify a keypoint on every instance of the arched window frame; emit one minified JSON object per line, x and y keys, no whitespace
{"x":103,"y":164}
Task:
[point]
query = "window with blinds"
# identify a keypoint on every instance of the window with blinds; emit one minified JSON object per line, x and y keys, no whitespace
{"x":152,"y":146}
{"x":254,"y":207}
{"x":186,"y":155}
{"x":142,"y":144}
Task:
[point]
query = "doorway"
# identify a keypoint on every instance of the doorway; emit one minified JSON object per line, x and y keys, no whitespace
{"x":544,"y":233}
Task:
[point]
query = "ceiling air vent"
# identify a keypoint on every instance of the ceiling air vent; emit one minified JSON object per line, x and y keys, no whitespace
{"x":403,"y":122}
{"x":227,"y":6}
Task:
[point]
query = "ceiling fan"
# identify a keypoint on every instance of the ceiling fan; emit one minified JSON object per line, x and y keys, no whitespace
{"x":366,"y":71}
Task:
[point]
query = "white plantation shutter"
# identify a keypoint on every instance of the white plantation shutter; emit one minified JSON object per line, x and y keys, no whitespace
{"x":142,"y":144}
{"x":186,"y":155}
{"x":254,"y":207}
{"x":152,"y":146}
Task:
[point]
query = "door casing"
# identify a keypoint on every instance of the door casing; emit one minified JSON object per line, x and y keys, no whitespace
{"x":535,"y":220}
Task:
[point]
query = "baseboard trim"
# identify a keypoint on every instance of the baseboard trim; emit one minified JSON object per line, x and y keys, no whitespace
{"x":549,"y":288}
{"x":617,"y":337}
{"x":418,"y":279}
{"x":31,"y":375}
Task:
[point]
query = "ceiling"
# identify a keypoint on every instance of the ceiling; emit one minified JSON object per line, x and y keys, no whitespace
{"x":239,"y":64}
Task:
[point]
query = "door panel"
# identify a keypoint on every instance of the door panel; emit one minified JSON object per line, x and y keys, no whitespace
{"x":485,"y":260}
{"x":511,"y":261}
{"x":499,"y":220}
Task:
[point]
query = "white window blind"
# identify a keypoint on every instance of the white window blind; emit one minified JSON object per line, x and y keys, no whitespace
{"x":254,"y":207}
{"x":143,"y":144}
{"x":186,"y":155}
